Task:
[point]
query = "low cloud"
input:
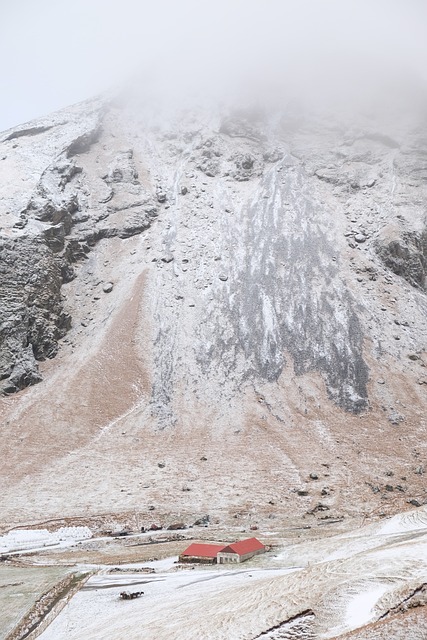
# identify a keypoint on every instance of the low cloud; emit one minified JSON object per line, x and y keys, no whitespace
{"x":56,"y":53}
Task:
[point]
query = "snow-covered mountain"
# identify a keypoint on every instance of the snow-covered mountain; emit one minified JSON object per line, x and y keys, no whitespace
{"x":218,"y":312}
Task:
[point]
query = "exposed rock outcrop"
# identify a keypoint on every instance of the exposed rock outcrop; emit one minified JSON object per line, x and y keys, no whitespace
{"x":33,"y":316}
{"x":406,"y":256}
{"x":60,"y":225}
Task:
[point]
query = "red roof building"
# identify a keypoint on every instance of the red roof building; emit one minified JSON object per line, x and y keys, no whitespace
{"x":197,"y":552}
{"x":240,"y":551}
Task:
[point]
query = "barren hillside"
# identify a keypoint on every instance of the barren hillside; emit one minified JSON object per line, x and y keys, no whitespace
{"x":212,"y":313}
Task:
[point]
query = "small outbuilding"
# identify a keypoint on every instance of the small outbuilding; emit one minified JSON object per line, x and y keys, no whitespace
{"x":240,"y":551}
{"x":202,"y":553}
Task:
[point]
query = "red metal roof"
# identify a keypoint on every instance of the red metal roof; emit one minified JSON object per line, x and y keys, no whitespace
{"x":244,"y":546}
{"x":203,"y":550}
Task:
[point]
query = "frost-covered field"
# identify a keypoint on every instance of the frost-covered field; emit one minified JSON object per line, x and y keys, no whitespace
{"x":346,"y":581}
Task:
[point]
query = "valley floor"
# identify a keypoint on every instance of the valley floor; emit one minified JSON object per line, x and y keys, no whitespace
{"x":368,"y":583}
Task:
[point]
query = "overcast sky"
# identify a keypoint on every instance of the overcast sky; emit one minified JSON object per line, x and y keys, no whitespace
{"x":55,"y":52}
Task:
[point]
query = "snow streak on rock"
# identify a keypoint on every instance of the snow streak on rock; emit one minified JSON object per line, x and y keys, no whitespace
{"x":287,"y":294}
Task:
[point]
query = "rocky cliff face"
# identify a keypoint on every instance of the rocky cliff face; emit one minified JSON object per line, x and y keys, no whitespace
{"x":53,"y":232}
{"x":231,"y":270}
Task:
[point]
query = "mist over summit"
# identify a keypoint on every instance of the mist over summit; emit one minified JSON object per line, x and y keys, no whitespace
{"x":221,"y":49}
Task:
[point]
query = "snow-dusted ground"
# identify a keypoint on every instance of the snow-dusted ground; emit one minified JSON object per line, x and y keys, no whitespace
{"x":97,"y":609}
{"x":367,"y":580}
{"x":360,"y":609}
